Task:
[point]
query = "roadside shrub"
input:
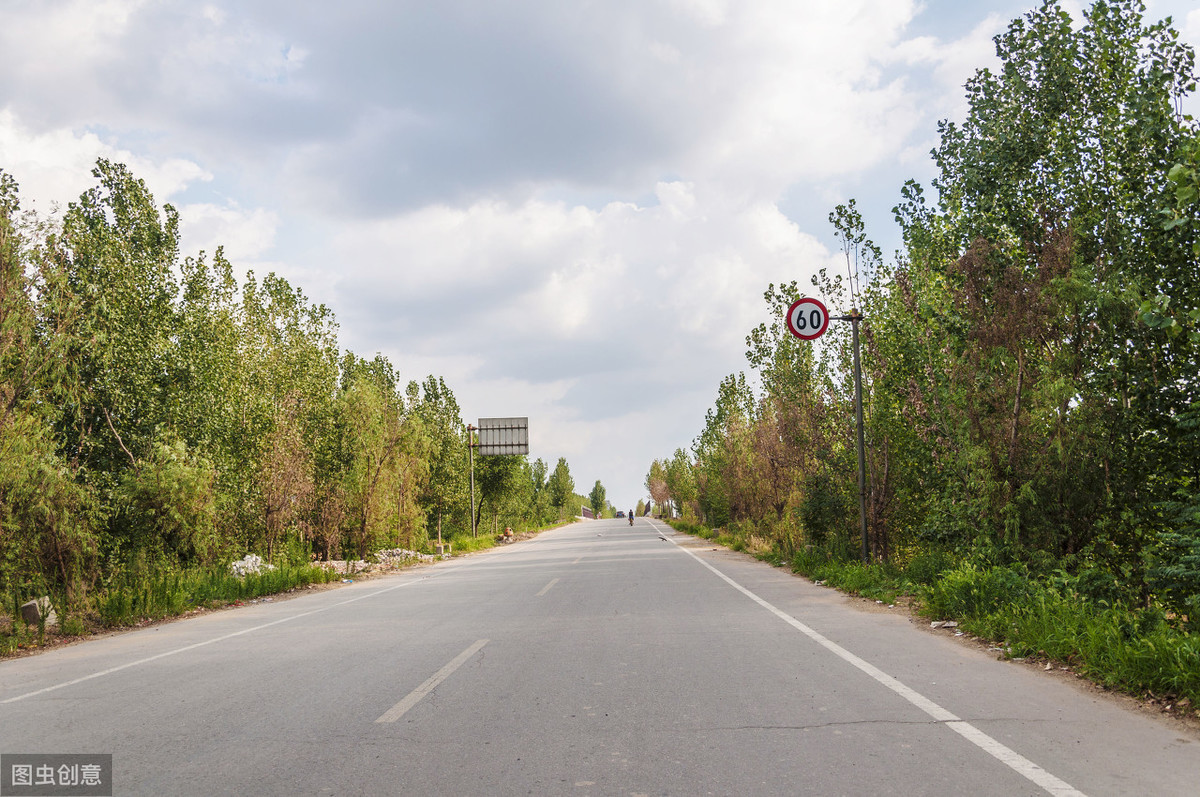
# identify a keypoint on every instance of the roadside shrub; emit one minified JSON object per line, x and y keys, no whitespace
{"x":1132,"y":649}
{"x":73,"y":626}
{"x":464,"y":543}
{"x":968,"y":592}
{"x":1096,"y":584}
{"x":857,"y":578}
{"x":825,"y":509}
{"x":1177,"y":576}
{"x":925,"y":567}
{"x":168,"y":502}
{"x":831,"y":565}
{"x":47,"y":517}
{"x":689,"y":527}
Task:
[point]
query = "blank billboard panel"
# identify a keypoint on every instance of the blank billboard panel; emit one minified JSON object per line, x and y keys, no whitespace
{"x":501,"y":436}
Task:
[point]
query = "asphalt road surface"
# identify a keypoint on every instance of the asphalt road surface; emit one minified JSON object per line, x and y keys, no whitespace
{"x":597,"y":659}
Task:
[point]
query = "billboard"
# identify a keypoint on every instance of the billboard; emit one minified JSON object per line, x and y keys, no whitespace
{"x":500,"y":436}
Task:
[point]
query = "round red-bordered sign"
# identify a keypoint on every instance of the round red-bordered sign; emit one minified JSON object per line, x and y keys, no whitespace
{"x":807,"y":319}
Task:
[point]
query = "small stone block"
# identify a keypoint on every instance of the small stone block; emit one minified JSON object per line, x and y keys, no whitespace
{"x":35,"y":609}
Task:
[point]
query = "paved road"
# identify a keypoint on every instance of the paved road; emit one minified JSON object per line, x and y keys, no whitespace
{"x":594,"y":659}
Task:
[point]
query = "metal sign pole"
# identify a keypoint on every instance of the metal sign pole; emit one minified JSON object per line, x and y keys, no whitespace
{"x":471,"y":449}
{"x":807,"y":319}
{"x":855,"y":317}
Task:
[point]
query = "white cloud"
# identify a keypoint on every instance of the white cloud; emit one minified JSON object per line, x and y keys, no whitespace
{"x":55,"y":166}
{"x":1191,"y":28}
{"x":591,"y":316}
{"x":569,"y":210}
{"x":234,"y":51}
{"x":665,"y":52}
{"x":81,"y":33}
{"x":956,"y":60}
{"x":783,"y":95}
{"x":213,"y":14}
{"x":246,"y":235}
{"x":709,"y":13}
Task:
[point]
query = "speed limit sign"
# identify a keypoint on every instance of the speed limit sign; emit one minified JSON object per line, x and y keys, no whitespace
{"x":807,"y":319}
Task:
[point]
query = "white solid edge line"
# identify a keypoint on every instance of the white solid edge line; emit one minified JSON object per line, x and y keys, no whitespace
{"x":412,"y":698}
{"x":546,"y":588}
{"x":1005,"y":755}
{"x":186,"y":648}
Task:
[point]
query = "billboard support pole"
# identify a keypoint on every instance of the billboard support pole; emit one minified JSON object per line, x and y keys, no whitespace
{"x":862,"y":459}
{"x":471,"y":449}
{"x":498,"y":437}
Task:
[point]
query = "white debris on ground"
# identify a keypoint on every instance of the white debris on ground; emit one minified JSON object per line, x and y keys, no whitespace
{"x":387,"y":559}
{"x":395,"y":557}
{"x":251,"y":565}
{"x":344,"y":566}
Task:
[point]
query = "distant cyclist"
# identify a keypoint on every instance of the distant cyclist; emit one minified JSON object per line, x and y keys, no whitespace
{"x":631,"y":517}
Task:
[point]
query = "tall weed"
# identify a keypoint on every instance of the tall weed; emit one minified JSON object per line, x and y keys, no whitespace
{"x":1135,"y":650}
{"x":969,"y":592}
{"x":153,"y":596}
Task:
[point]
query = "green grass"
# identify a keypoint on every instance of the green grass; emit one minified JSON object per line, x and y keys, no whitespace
{"x":1136,"y":650}
{"x":16,"y":637}
{"x":166,"y":594}
{"x":881,"y":581}
{"x":132,"y":598}
{"x":720,"y":536}
{"x":465,"y":543}
{"x":970,"y":592}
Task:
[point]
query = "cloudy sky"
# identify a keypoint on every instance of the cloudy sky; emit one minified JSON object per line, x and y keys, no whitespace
{"x":568,"y":208}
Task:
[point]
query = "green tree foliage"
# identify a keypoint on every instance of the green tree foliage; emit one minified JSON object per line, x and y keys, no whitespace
{"x":48,"y":516}
{"x":384,"y":458}
{"x":541,"y":506}
{"x":118,"y":252}
{"x":1176,"y":570}
{"x":1044,"y":242}
{"x":168,"y":502}
{"x":733,"y":407}
{"x":1184,"y":215}
{"x":681,"y":481}
{"x":447,"y":490}
{"x":656,"y":483}
{"x":561,"y":486}
{"x":1029,"y":359}
{"x":597,"y":499}
{"x":504,"y":489}
{"x":154,"y":413}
